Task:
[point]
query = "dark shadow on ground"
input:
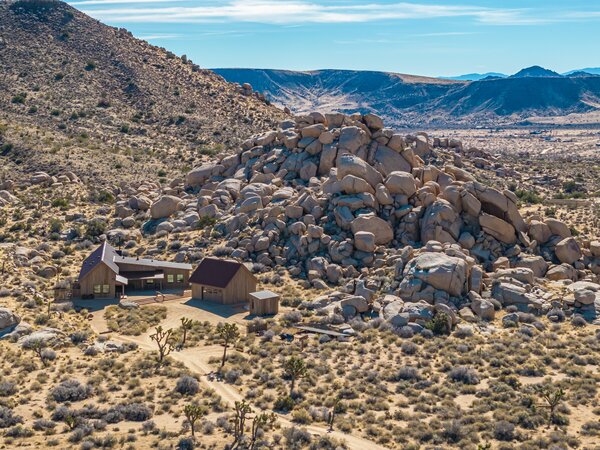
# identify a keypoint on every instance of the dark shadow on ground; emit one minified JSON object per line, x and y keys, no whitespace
{"x":224,"y":311}
{"x":95,"y":304}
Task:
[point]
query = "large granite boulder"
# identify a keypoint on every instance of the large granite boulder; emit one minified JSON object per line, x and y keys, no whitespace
{"x":439,"y":270}
{"x":381,"y":229}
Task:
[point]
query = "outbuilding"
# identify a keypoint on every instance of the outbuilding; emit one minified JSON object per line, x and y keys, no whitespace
{"x":264,"y":303}
{"x":222,"y":281}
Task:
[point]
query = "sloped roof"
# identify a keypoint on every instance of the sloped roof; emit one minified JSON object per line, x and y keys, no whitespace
{"x":151,"y":263}
{"x":216,"y":272}
{"x":105,"y":253}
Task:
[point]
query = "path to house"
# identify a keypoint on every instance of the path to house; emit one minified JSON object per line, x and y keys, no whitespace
{"x":196,"y":359}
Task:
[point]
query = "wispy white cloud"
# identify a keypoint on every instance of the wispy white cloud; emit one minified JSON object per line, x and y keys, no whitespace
{"x":80,"y":3}
{"x":294,"y":12}
{"x":300,"y":11}
{"x":159,"y":37}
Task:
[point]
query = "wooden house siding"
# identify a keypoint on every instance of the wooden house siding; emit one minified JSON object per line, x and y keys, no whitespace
{"x":100,"y":275}
{"x":137,"y":284}
{"x":264,"y":306}
{"x":237,"y":291}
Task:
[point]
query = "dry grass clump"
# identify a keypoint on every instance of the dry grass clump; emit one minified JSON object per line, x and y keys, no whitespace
{"x":133,"y":322}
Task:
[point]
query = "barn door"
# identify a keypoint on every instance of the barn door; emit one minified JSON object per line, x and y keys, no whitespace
{"x":213,"y":295}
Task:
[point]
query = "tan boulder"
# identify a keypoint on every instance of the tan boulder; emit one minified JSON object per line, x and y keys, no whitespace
{"x":568,"y":251}
{"x":498,"y":228}
{"x":382,"y":230}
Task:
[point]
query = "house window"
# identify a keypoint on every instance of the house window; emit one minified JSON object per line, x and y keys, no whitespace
{"x":105,"y":289}
{"x":170,"y":278}
{"x":97,"y":289}
{"x":150,"y":282}
{"x":180,"y":278}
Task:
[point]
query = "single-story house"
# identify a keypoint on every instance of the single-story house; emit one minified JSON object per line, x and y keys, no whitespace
{"x":108,"y":274}
{"x":222,"y":281}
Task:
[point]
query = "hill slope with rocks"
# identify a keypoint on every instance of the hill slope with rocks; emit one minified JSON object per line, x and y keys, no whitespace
{"x":77,"y":93}
{"x":413,"y":245}
{"x":410,"y":101}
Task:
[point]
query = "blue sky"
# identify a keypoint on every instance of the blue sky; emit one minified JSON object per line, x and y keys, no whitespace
{"x":425,"y":37}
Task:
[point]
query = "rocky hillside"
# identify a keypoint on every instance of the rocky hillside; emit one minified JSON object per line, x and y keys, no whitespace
{"x":405,"y":100}
{"x":77,"y":94}
{"x":400,"y":226}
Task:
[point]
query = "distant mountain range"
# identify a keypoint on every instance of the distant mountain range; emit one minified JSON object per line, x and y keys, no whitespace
{"x":481,"y":76}
{"x":408,"y":100}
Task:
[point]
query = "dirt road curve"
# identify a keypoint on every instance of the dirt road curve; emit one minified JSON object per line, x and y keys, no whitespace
{"x":196,"y":359}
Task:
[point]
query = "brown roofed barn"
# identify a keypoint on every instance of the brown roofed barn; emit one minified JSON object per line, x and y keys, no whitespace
{"x":222,"y":281}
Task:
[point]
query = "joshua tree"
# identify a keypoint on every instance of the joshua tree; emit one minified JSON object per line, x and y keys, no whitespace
{"x":163,"y":341}
{"x":260,"y":422}
{"x":294,"y":368}
{"x":193,"y":413}
{"x":331,"y":417}
{"x":186,"y":325}
{"x":229,"y":333}
{"x":70,"y":421}
{"x":39,"y":347}
{"x":552,"y":398}
{"x":242,"y":409}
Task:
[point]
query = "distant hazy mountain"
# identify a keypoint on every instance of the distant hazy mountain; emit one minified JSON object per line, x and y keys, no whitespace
{"x":590,"y":70}
{"x":536,"y":72}
{"x":405,"y":100}
{"x":475,"y":76}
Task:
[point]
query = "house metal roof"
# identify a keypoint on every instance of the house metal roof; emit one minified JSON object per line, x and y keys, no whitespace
{"x":105,"y":253}
{"x":152,"y":263}
{"x":216,"y":272}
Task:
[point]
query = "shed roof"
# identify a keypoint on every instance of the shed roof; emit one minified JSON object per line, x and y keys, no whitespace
{"x":264,"y":295}
{"x":216,"y":272}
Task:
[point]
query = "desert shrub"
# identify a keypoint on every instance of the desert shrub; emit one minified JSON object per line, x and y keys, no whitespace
{"x":232,"y":376}
{"x":301,"y":416}
{"x":292,"y":317}
{"x":187,"y":385}
{"x":7,"y":389}
{"x":453,"y":431}
{"x":296,"y":438}
{"x":43,"y":424}
{"x":408,"y":373}
{"x":464,"y":331}
{"x":48,"y":354}
{"x":7,"y":418}
{"x":504,"y":431}
{"x":95,"y":228}
{"x":463,"y":374}
{"x":186,"y":443}
{"x":83,"y":430}
{"x":91,"y":351}
{"x":78,"y":337}
{"x":284,"y":403}
{"x":439,"y":325}
{"x":208,"y":427}
{"x":148,"y":426}
{"x":18,"y":431}
{"x":71,"y":391}
{"x":409,"y":348}
{"x":134,"y":322}
{"x":135,"y":412}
